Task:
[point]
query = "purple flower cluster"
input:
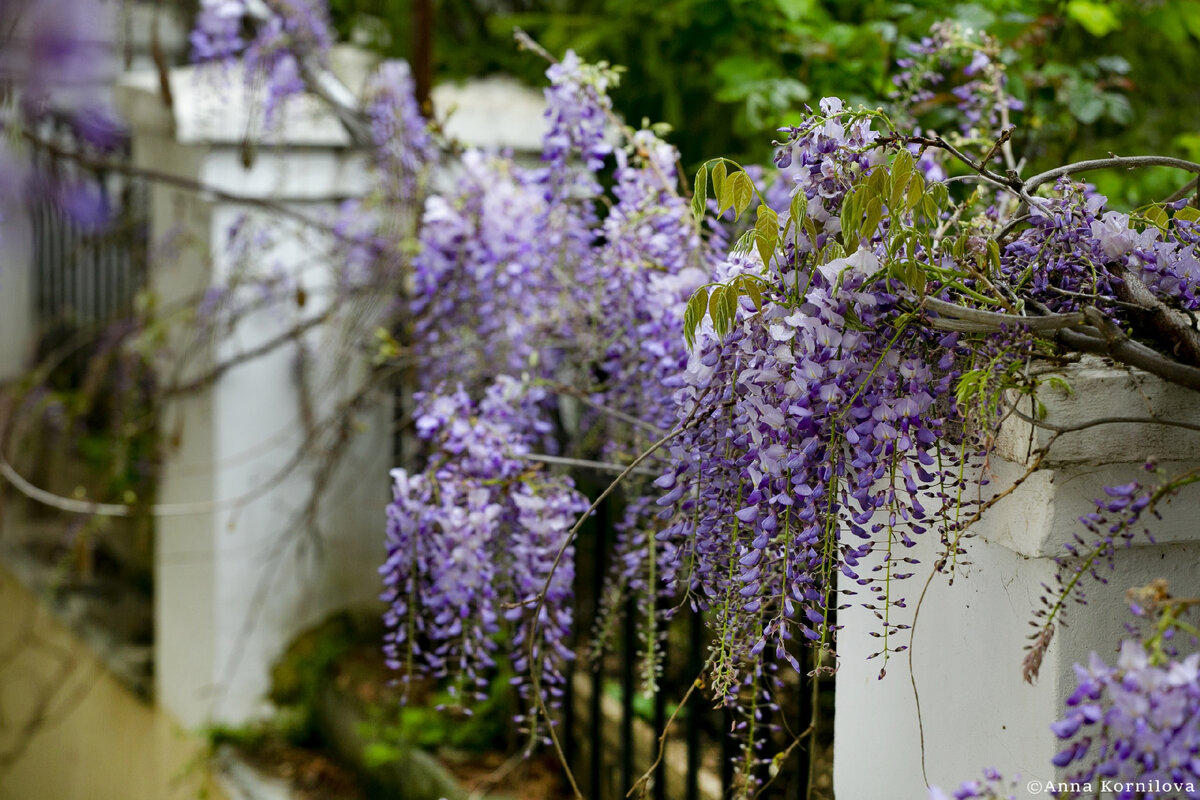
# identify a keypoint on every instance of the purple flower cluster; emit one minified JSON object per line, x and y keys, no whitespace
{"x":579,"y":111}
{"x":404,"y":150}
{"x":992,"y":787}
{"x":54,"y":63}
{"x":471,"y":543}
{"x":982,"y":97}
{"x":650,"y":263}
{"x":823,"y":157}
{"x":493,"y":291}
{"x":1075,"y":253}
{"x":271,"y":37}
{"x":811,"y":454}
{"x":1136,"y":722}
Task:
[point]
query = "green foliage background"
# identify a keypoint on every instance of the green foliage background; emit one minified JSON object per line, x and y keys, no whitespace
{"x":1097,"y":76}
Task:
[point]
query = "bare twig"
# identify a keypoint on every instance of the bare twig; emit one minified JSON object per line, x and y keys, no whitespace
{"x":642,"y":782}
{"x":602,"y":466}
{"x":585,"y":398}
{"x":1115,"y":162}
{"x":1097,"y":421}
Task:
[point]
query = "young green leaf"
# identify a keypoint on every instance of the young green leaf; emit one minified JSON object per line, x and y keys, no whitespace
{"x":1188,"y":214}
{"x":718,"y":181}
{"x":851,"y":217}
{"x":993,"y":250}
{"x":766,"y":230}
{"x":916,"y":191}
{"x":874,"y":217}
{"x":879,"y":183}
{"x":902,"y":170}
{"x":753,"y":288}
{"x":1156,"y":215}
{"x":700,"y":195}
{"x":798,"y":209}
{"x":741,"y":191}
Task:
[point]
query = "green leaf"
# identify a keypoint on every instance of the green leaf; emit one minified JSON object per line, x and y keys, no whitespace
{"x":714,"y":302}
{"x":693,"y":315}
{"x":799,"y":208}
{"x":729,"y":307}
{"x":916,"y":191}
{"x":810,"y":228}
{"x":741,"y":192}
{"x":930,"y":206}
{"x":700,"y":194}
{"x":1188,"y":214}
{"x":874,"y":217}
{"x":851,"y":218}
{"x":716,"y":310}
{"x":766,"y":230}
{"x":958,"y":248}
{"x":1156,"y":215}
{"x":1085,"y":102}
{"x":902,"y":170}
{"x":914,"y":276}
{"x":880,"y":183}
{"x":754,"y":289}
{"x":993,"y":251}
{"x":940,"y":193}
{"x":1098,"y":19}
{"x":718,"y":180}
{"x":1060,"y":383}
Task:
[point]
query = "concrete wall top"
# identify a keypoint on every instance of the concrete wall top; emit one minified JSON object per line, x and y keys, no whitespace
{"x":1098,"y":434}
{"x":213,"y":105}
{"x":1101,"y":391}
{"x":496,"y":112}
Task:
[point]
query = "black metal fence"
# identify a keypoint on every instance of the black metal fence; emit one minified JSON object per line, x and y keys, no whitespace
{"x":610,"y":731}
{"x":90,"y":234}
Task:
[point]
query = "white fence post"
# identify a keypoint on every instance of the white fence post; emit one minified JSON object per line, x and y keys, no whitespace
{"x":969,"y":642}
{"x":235,"y":583}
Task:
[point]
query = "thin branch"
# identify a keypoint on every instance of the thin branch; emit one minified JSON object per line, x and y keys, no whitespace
{"x":118,"y":167}
{"x":602,"y":466}
{"x":1092,"y":423}
{"x":1114,"y":162}
{"x":1183,"y":191}
{"x":912,"y":675}
{"x":1032,"y":468}
{"x":1115,"y":344}
{"x":783,"y":754}
{"x":583,"y":397}
{"x":291,"y":334}
{"x":644,"y":780}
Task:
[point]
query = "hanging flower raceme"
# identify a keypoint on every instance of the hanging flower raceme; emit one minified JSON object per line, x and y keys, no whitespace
{"x":404,"y":150}
{"x":271,"y":36}
{"x":491,"y":287}
{"x":478,"y":549}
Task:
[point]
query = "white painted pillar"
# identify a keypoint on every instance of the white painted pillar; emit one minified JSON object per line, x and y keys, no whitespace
{"x":968,"y":646}
{"x":235,"y":583}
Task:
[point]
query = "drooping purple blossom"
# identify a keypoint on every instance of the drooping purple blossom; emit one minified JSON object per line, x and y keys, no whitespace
{"x":471,"y":543}
{"x":404,"y":150}
{"x":271,"y":38}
